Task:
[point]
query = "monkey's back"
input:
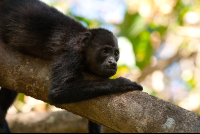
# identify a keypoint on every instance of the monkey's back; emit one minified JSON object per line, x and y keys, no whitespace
{"x":34,"y":27}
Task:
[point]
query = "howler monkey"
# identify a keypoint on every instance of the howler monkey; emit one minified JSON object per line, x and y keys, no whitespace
{"x":36,"y":29}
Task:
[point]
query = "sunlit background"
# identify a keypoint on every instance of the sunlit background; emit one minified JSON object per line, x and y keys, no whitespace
{"x":159,"y":46}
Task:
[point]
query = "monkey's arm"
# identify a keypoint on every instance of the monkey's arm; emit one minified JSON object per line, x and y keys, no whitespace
{"x":79,"y":90}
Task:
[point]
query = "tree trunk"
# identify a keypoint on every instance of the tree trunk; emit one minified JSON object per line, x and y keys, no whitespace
{"x":126,"y":112}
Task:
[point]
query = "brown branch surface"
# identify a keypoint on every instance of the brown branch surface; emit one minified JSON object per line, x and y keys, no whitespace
{"x":127,"y":112}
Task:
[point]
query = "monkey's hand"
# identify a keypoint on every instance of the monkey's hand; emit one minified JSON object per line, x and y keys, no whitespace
{"x":126,"y":85}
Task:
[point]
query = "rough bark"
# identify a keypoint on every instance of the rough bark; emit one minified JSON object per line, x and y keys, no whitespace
{"x":49,"y":122}
{"x":126,"y":112}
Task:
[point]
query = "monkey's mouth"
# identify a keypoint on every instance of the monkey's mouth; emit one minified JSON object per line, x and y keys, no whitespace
{"x":112,"y":69}
{"x":108,"y":71}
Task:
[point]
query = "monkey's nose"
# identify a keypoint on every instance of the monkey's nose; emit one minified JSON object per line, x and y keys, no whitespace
{"x":113,"y":64}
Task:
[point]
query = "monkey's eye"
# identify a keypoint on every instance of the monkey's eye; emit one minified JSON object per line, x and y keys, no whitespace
{"x":116,"y":53}
{"x":105,"y":51}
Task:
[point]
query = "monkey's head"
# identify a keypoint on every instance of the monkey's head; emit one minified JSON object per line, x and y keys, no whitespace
{"x":101,"y":53}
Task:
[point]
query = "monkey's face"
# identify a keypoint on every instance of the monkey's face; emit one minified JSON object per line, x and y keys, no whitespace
{"x":101,"y":53}
{"x":101,"y":59}
{"x":107,"y":58}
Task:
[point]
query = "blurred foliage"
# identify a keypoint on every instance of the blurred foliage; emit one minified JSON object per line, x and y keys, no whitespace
{"x":138,"y":32}
{"x":165,"y":37}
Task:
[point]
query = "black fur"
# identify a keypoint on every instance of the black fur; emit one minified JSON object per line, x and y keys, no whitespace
{"x":34,"y":28}
{"x":6,"y":99}
{"x":94,"y":128}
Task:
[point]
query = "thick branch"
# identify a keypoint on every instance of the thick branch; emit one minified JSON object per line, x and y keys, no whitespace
{"x":127,"y":112}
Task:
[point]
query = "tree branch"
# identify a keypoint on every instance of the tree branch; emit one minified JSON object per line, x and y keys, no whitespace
{"x":127,"y":112}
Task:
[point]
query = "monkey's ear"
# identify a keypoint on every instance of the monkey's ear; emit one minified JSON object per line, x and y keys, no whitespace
{"x":85,"y":38}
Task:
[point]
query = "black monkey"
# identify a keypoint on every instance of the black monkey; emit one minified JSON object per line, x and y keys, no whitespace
{"x":78,"y":54}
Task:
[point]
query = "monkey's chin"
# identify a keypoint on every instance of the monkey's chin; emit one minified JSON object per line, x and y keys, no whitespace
{"x":109,"y":72}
